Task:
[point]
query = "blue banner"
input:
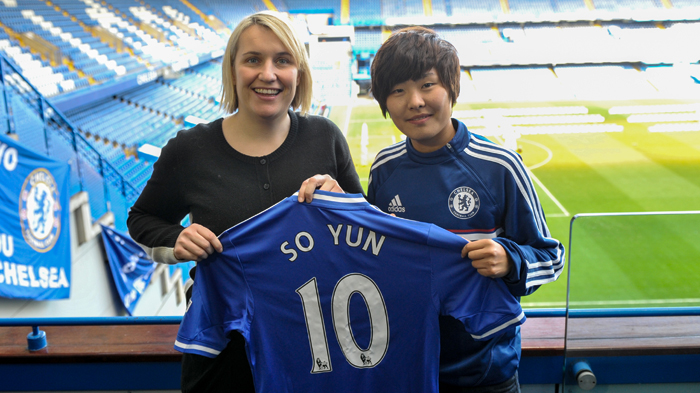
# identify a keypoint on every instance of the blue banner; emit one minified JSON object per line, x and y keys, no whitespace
{"x":131,"y":267}
{"x":35,"y":249}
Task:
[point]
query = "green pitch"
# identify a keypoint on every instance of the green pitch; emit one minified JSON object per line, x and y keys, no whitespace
{"x":616,"y":261}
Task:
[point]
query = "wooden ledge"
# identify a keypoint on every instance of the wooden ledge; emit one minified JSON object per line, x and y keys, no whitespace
{"x":634,"y":336}
{"x":624,"y":336}
{"x":79,"y":344}
{"x":543,"y":336}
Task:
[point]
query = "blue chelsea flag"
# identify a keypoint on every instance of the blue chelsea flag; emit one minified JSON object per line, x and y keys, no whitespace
{"x":131,"y":267}
{"x":35,"y":250}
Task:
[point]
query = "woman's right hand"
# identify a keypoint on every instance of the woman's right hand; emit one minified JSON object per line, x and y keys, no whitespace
{"x":195,"y":243}
{"x":321,"y":182}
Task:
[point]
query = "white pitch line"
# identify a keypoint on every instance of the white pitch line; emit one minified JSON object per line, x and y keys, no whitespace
{"x":543,"y":147}
{"x":549,"y":194}
{"x":542,"y":304}
{"x":539,"y":183}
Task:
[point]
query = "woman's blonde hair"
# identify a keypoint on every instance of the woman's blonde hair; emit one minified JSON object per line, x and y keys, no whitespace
{"x":281,"y":26}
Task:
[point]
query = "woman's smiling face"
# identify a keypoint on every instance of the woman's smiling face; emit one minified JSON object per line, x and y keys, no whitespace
{"x":265,"y":74}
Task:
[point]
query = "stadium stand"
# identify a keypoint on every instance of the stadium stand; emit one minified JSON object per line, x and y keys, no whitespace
{"x":228,"y":13}
{"x":88,"y":43}
{"x":367,"y":40}
{"x":330,"y":7}
{"x":535,"y":84}
{"x":399,"y":9}
{"x":366,"y":13}
{"x":162,"y":47}
{"x":545,"y":59}
{"x":477,"y":11}
{"x":569,"y":6}
{"x":531,"y":9}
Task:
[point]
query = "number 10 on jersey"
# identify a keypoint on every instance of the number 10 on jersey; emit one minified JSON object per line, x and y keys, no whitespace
{"x":340,"y":302}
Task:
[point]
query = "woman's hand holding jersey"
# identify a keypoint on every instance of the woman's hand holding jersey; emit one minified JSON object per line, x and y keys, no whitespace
{"x":488,"y":257}
{"x":196,"y":243}
{"x":320,"y":182}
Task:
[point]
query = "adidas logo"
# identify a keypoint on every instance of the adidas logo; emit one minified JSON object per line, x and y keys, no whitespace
{"x":395,"y":205}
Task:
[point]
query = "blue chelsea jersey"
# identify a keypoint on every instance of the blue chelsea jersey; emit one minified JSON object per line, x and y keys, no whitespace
{"x":335,"y":295}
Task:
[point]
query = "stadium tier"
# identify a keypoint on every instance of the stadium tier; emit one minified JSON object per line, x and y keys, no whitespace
{"x":366,"y":13}
{"x":74,"y":45}
{"x":157,"y":63}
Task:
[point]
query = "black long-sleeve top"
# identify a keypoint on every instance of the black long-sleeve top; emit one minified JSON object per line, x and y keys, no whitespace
{"x":200,"y":174}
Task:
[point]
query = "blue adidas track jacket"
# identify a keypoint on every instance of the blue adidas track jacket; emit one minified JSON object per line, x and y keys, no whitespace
{"x":479,"y":190}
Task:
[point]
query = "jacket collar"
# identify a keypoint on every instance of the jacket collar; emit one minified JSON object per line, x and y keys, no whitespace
{"x":457,"y":144}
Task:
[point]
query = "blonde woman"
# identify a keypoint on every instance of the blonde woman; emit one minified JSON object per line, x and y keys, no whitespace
{"x":226,"y":171}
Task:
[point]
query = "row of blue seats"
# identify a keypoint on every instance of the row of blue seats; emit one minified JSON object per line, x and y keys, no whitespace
{"x":144,"y":91}
{"x":231,"y":12}
{"x":686,"y":4}
{"x":81,"y":116}
{"x":154,"y":101}
{"x":80,"y":60}
{"x":402,"y":8}
{"x":180,"y":7}
{"x":203,"y":86}
{"x":98,"y":115}
{"x":81,"y":83}
{"x":126,"y":126}
{"x":135,"y":171}
{"x":296,"y":5}
{"x":60,"y":69}
{"x":89,"y":65}
{"x":138,"y":128}
{"x":102,"y":122}
{"x":162,"y":138}
{"x":200,"y":109}
{"x":366,"y":10}
{"x":131,"y":126}
{"x":104,"y":76}
{"x":364,"y":13}
{"x":164,"y":99}
{"x":210,"y":69}
{"x":368,"y":40}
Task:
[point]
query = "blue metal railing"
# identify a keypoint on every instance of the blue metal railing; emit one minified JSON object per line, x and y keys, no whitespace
{"x":533,"y":313}
{"x":635,"y":312}
{"x":54,"y":121}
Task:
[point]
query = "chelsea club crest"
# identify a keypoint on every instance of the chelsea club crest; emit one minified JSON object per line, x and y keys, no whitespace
{"x":40,"y":210}
{"x":463,"y":203}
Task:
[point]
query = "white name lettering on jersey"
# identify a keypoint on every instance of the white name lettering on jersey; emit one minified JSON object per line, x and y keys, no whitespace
{"x":304,"y":242}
